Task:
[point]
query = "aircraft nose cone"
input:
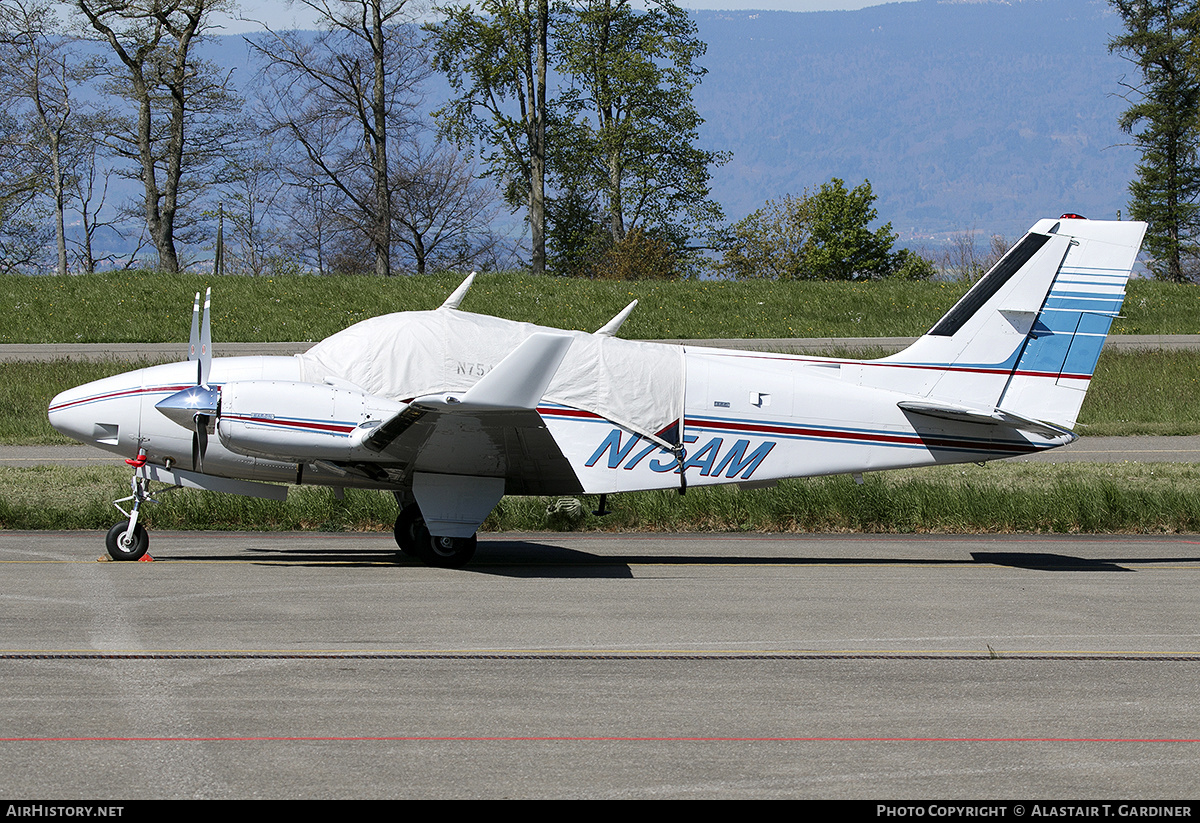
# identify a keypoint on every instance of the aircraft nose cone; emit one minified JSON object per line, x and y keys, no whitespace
{"x":69,"y":416}
{"x":102,"y":413}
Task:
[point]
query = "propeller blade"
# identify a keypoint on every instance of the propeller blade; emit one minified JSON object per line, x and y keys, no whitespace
{"x":206,"y":339}
{"x":194,"y":339}
{"x":200,"y":442}
{"x":183,"y":406}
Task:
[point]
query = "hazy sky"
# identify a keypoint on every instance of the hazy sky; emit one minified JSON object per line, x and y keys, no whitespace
{"x":280,"y":15}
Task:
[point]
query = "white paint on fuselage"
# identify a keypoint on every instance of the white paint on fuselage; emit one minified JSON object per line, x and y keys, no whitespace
{"x":750,"y":418}
{"x":124,"y":404}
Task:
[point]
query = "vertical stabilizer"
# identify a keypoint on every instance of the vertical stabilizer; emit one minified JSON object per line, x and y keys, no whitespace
{"x":1057,"y":363}
{"x":1026,"y":337}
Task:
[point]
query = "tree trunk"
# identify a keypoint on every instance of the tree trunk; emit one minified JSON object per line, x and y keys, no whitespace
{"x":537,"y":142}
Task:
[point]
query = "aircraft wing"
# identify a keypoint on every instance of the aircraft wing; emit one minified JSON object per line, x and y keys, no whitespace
{"x":491,"y":430}
{"x":515,"y":445}
{"x":996,"y":417}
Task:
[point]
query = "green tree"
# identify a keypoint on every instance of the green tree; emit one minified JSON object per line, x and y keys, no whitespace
{"x":841,"y":245}
{"x":639,"y":256}
{"x":575,"y":234}
{"x":771,"y":242}
{"x":825,"y":235}
{"x":628,"y":128}
{"x":496,"y":60}
{"x":1161,"y":39}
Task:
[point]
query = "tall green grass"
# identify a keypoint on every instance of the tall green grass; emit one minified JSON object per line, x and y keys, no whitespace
{"x":997,"y":497}
{"x":154,"y":308}
{"x":1143,"y":392}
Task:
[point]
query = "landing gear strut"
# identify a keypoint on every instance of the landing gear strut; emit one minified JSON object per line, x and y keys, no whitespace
{"x":128,"y":540}
{"x":414,"y":539}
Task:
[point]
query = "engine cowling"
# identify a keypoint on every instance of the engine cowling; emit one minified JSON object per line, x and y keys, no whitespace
{"x":293,"y":421}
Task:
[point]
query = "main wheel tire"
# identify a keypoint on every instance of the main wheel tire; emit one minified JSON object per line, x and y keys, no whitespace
{"x":449,"y":552}
{"x":414,"y":540}
{"x":410,"y":531}
{"x":120,"y":548}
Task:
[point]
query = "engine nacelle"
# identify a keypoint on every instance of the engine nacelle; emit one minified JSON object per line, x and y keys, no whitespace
{"x":291,"y":421}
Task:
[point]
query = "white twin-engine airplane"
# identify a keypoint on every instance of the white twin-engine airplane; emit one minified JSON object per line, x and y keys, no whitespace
{"x":450,"y":410}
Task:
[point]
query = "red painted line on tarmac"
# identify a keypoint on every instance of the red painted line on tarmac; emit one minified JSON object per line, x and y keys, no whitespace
{"x":585,"y":739}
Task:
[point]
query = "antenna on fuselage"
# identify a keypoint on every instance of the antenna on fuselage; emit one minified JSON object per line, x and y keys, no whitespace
{"x":457,"y":297}
{"x":610,"y":328}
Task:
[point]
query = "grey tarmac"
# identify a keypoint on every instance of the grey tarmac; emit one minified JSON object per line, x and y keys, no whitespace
{"x":614,"y":666}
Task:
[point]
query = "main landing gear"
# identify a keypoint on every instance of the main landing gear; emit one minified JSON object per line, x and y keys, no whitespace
{"x":414,"y":539}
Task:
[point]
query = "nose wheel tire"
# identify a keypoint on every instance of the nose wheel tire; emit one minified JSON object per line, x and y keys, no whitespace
{"x":131,"y":547}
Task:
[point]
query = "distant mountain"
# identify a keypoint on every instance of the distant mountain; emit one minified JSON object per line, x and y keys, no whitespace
{"x":962,"y":115}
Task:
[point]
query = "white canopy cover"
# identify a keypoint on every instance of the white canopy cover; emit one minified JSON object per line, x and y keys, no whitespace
{"x":408,"y":354}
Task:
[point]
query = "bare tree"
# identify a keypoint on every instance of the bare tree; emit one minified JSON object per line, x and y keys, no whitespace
{"x":42,"y":79}
{"x":90,"y":182}
{"x":23,"y":236}
{"x":963,"y":260}
{"x":251,"y":203}
{"x":312,"y":213}
{"x":348,"y":99}
{"x":442,"y":212}
{"x":182,"y":106}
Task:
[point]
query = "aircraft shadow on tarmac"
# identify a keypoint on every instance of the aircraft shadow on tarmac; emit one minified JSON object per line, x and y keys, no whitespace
{"x":1047,"y":562}
{"x":532,"y":559}
{"x":503,"y":559}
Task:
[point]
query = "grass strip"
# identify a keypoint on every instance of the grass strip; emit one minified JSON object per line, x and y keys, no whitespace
{"x":994,"y":498}
{"x":151,"y":307}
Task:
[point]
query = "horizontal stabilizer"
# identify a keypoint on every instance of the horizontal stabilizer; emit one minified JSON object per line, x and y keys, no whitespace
{"x":996,"y":417}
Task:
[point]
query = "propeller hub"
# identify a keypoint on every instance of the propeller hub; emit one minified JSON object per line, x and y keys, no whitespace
{"x":184,"y":406}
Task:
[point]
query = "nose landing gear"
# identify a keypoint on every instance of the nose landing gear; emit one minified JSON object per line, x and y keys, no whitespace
{"x":128,"y":540}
